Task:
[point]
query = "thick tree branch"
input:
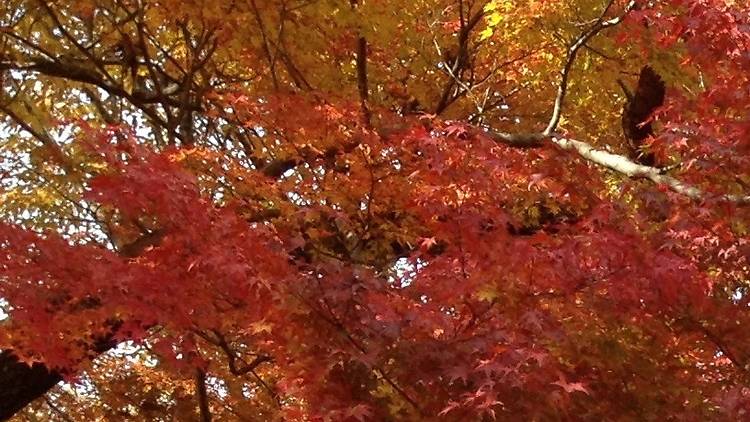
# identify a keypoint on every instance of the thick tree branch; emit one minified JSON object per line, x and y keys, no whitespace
{"x":20,"y":384}
{"x":627,"y":167}
{"x":362,"y":78}
{"x":615,"y":162}
{"x":519,"y":140}
{"x":361,"y":60}
{"x":202,"y":393}
{"x":68,"y":68}
{"x":74,"y":41}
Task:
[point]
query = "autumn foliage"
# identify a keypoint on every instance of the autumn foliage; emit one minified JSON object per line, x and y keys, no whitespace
{"x":373,"y":210}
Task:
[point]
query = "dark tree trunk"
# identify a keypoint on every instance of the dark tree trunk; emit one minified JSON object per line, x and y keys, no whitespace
{"x":21,"y":384}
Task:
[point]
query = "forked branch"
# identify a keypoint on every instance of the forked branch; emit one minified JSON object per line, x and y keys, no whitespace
{"x":600,"y":24}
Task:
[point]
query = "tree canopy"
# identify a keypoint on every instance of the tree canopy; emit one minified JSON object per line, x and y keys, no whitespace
{"x":341,"y":210}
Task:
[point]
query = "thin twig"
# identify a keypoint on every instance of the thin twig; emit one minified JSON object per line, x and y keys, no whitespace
{"x":57,"y":410}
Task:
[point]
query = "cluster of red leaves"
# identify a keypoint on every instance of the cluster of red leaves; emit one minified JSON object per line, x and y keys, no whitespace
{"x":708,"y":130}
{"x":486,"y":319}
{"x":522,"y":287}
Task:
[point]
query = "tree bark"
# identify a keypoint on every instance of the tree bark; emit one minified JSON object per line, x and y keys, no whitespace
{"x":20,"y":384}
{"x":200,"y":387}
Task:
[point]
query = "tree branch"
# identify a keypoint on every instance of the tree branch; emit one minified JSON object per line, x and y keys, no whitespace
{"x":43,"y":137}
{"x":361,"y":60}
{"x":200,"y":387}
{"x":624,"y":165}
{"x":232,"y":358}
{"x":618,"y":163}
{"x":459,"y":62}
{"x":266,"y":45}
{"x":57,"y":410}
{"x":615,"y":162}
{"x":20,"y":383}
{"x":598,"y":26}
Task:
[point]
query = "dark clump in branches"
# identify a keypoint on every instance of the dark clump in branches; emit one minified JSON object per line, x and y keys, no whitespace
{"x":648,"y":96}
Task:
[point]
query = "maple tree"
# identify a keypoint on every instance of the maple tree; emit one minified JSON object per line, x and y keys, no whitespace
{"x":371,"y":210}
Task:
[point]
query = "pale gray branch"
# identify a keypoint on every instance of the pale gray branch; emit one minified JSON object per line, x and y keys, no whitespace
{"x":615,"y":162}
